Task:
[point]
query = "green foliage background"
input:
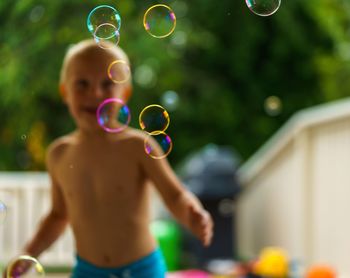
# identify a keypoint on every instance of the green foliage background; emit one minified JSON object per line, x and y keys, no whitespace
{"x":222,"y":60}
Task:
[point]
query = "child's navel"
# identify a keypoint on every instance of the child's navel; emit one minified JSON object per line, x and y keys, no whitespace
{"x":106,"y":258}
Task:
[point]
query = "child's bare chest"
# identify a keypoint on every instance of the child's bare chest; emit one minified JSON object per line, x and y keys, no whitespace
{"x":99,"y":174}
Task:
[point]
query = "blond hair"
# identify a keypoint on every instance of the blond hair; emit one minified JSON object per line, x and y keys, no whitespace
{"x":84,"y":48}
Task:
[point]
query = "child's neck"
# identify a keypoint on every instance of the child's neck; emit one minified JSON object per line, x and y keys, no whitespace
{"x":95,"y":134}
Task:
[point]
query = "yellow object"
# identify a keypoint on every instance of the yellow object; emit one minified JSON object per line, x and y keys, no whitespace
{"x":273,"y":262}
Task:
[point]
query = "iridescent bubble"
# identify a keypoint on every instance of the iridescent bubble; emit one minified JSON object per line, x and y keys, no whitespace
{"x":226,"y":207}
{"x":154,"y":118}
{"x":25,"y":266}
{"x":273,"y":105}
{"x":179,"y":39}
{"x":158,"y":144}
{"x":3,"y":212}
{"x":159,"y":21}
{"x":119,"y":71}
{"x":181,"y":8}
{"x":113,"y":115}
{"x":106,"y":35}
{"x":37,"y":13}
{"x":170,"y":100}
{"x":145,"y":76}
{"x":263,"y":7}
{"x":101,"y":15}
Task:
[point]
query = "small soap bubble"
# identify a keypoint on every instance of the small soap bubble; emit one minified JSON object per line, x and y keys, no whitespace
{"x":145,"y":76}
{"x":25,"y":266}
{"x":179,"y":39}
{"x":156,"y":140}
{"x":113,"y":115}
{"x":99,"y":17}
{"x":36,"y":13}
{"x":159,"y":21}
{"x":273,"y":105}
{"x":24,"y":137}
{"x":181,"y":8}
{"x":106,"y":36}
{"x":263,"y":7}
{"x":226,"y":207}
{"x":3,"y":212}
{"x":170,"y":100}
{"x":154,"y":118}
{"x":119,"y":71}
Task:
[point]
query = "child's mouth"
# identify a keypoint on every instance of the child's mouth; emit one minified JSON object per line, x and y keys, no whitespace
{"x":90,"y":110}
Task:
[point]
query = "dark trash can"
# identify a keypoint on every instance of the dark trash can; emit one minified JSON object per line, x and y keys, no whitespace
{"x":211,"y":175}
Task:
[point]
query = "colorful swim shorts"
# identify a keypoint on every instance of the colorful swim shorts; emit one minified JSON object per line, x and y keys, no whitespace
{"x":150,"y":266}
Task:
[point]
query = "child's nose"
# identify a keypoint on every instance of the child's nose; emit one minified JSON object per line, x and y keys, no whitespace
{"x":98,"y":92}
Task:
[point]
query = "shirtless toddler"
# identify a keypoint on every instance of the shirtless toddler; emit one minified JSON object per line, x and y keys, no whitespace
{"x":100,"y":181}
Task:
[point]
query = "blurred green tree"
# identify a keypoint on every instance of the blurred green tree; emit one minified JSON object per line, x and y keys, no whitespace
{"x":222,"y":60}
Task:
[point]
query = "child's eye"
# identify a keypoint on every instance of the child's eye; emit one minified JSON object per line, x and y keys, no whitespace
{"x":81,"y":84}
{"x":107,"y":84}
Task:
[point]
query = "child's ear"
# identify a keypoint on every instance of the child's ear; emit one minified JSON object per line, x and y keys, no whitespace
{"x":127,"y":92}
{"x":63,"y":93}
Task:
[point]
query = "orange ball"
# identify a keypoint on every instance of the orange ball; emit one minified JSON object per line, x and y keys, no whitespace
{"x":321,"y":271}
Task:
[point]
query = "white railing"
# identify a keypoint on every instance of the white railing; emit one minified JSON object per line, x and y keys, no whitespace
{"x":297,"y":190}
{"x":27,"y":198}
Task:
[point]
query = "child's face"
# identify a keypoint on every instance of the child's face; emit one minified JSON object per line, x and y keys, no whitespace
{"x":87,"y":85}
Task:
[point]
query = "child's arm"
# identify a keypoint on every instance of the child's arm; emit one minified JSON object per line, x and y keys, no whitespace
{"x":188,"y":210}
{"x":185,"y":206}
{"x":55,"y":221}
{"x":51,"y":226}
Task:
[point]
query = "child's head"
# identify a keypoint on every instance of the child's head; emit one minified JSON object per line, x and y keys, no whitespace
{"x":85,"y":83}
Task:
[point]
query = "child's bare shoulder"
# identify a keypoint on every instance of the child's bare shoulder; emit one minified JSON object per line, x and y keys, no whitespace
{"x":59,"y":146}
{"x":133,"y":139}
{"x":134,"y":135}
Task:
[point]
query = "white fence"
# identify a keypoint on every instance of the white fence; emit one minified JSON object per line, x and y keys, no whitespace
{"x":26,"y":196}
{"x":298,"y":190}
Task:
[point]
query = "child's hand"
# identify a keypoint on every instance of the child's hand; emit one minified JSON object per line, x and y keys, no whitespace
{"x":17,"y":268}
{"x":201,"y":224}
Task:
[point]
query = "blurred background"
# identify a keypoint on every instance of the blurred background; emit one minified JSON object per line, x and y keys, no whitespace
{"x":221,"y":65}
{"x":228,"y":78}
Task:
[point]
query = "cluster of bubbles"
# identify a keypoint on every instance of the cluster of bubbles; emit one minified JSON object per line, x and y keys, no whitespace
{"x":104,"y":22}
{"x":154,"y":120}
{"x":159,"y":21}
{"x":113,"y":115}
{"x":263,"y":7}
